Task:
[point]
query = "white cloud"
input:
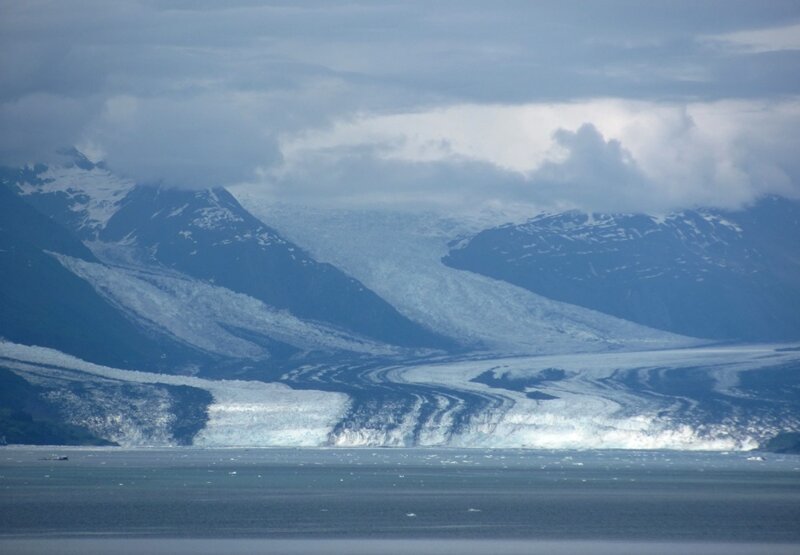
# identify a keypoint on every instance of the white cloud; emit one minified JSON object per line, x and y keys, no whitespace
{"x":771,"y":39}
{"x":601,"y":154}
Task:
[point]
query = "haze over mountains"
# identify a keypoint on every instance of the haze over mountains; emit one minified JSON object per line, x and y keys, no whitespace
{"x":133,"y":312}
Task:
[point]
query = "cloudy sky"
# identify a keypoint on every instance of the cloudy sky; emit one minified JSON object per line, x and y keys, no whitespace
{"x":617,"y":105}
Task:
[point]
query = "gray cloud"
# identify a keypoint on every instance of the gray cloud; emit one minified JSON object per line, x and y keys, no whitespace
{"x":594,"y":174}
{"x":34,"y":127}
{"x":202,"y":93}
{"x":360,"y":176}
{"x":200,"y":141}
{"x":601,"y":155}
{"x":597,"y":175}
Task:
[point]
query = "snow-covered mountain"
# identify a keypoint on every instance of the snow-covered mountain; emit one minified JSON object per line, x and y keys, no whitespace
{"x":43,"y":303}
{"x":702,"y":273}
{"x":193,"y":269}
{"x":207,"y":235}
{"x":152,"y":316}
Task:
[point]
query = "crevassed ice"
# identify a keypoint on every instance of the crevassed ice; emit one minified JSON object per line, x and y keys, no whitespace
{"x":197,"y":312}
{"x":587,"y":413}
{"x":243,"y":413}
{"x":398,"y":255}
{"x":590,"y":410}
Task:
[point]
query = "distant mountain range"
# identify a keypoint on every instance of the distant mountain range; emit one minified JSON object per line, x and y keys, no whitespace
{"x":131,"y":314}
{"x":701,"y":273}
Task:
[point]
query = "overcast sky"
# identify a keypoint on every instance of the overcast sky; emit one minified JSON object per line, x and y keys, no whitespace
{"x":601,"y":105}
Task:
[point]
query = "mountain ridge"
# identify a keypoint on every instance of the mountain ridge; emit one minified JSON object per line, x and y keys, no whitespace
{"x":703,"y":273}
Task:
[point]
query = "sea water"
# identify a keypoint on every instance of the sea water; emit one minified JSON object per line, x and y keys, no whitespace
{"x":104,"y":500}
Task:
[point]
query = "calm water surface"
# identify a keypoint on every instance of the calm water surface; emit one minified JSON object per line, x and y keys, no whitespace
{"x":396,"y":501}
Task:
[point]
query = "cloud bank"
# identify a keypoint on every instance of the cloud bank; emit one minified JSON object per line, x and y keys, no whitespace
{"x":603,"y":155}
{"x":606,"y":106}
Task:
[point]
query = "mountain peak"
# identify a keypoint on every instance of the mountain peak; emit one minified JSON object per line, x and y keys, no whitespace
{"x":75,"y":158}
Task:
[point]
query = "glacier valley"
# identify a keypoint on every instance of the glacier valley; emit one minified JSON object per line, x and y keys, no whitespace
{"x":219,"y":318}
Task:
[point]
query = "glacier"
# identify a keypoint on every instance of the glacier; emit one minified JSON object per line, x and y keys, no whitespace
{"x":623,"y":400}
{"x":613,"y":400}
{"x":399,"y":256}
{"x":242,"y":414}
{"x":203,"y":315}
